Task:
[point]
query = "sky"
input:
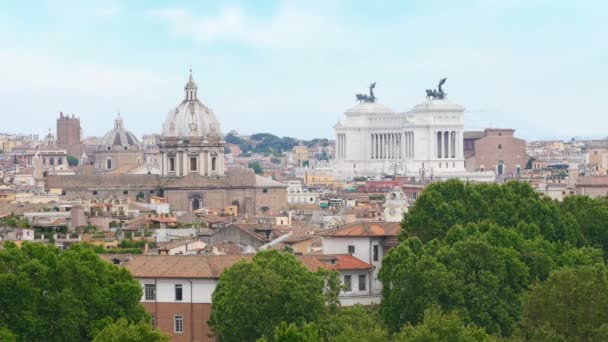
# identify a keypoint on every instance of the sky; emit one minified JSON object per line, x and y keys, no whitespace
{"x":292,"y":68}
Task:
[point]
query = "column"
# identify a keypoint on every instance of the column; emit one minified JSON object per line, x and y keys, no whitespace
{"x":344,"y":145}
{"x":439,"y":144}
{"x":413,"y":145}
{"x":445,"y":145}
{"x":371,"y":143}
{"x":375,"y":145}
{"x":391,"y":146}
{"x":449,"y":144}
{"x":381,"y":145}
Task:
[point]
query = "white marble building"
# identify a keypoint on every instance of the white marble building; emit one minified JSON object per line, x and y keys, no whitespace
{"x":427,"y":141}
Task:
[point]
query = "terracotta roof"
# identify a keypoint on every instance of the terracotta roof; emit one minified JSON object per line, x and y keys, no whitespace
{"x":191,"y":266}
{"x":164,"y":219}
{"x":344,"y":262}
{"x":361,"y":229}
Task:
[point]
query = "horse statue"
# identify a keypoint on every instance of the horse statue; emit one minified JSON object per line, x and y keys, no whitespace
{"x":364,"y":98}
{"x":437,"y":94}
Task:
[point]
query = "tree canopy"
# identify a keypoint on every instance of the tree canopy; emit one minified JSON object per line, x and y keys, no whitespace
{"x":122,"y":331}
{"x":252,"y":298}
{"x":438,"y":326}
{"x":569,"y":306}
{"x":477,"y":248}
{"x":49,"y":295}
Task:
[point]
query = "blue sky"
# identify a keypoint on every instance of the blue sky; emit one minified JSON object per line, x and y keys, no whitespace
{"x":292,"y":67}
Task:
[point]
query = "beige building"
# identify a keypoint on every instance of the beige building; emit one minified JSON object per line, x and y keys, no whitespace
{"x":495,"y":150}
{"x":192,"y":167}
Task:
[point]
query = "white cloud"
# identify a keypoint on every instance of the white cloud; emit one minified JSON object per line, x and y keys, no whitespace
{"x":290,"y":28}
{"x":36,"y":73}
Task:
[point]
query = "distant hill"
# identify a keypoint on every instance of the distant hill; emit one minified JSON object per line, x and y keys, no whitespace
{"x":267,"y":143}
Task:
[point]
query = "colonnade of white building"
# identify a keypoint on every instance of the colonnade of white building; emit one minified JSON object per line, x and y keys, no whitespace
{"x":396,"y":145}
{"x":448,"y":144}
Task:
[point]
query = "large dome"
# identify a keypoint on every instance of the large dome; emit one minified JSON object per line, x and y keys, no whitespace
{"x":119,"y":136}
{"x":191,"y":118}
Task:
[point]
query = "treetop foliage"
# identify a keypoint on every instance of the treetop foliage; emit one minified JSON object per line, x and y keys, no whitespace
{"x":478,"y":248}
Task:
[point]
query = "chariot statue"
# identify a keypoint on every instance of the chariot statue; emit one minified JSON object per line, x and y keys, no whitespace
{"x":371,"y":98}
{"x":437,"y":94}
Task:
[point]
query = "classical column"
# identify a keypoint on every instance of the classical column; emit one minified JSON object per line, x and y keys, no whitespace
{"x":445,"y":145}
{"x":440,"y":144}
{"x":391,"y":145}
{"x":449,"y":143}
{"x":371,"y":143}
{"x":453,"y":140}
{"x":344,"y":145}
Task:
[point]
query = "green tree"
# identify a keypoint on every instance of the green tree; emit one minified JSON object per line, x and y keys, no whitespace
{"x":49,"y":295}
{"x":569,"y":306}
{"x":252,"y":298}
{"x":353,"y":324}
{"x":446,"y":204}
{"x":233,"y":139}
{"x":256,"y":167}
{"x":438,"y":326}
{"x":591,"y":216}
{"x":6,"y":335}
{"x":72,"y":161}
{"x":293,"y":333}
{"x":122,"y":331}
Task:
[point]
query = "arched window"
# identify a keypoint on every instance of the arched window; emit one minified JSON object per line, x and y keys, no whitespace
{"x":196,"y":204}
{"x":500,"y":168}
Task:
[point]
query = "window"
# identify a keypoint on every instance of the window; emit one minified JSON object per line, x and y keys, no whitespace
{"x":109,"y":148}
{"x":94,"y":192}
{"x":500,"y":168}
{"x":52,"y":161}
{"x":178,"y":325}
{"x":59,"y":161}
{"x":348,"y":283}
{"x":125,"y":148}
{"x":171,"y":164}
{"x":351,"y":249}
{"x":153,"y":320}
{"x":150,"y":291}
{"x":500,"y":146}
{"x":193,"y":163}
{"x":126,"y":192}
{"x":108,"y":164}
{"x":376,"y":252}
{"x":213,"y":163}
{"x":362,"y":282}
{"x":178,"y":292}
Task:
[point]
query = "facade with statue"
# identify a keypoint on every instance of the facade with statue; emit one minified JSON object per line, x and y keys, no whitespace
{"x":424,"y":142}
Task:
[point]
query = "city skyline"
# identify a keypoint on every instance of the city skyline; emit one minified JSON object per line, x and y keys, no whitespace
{"x":292,"y":69}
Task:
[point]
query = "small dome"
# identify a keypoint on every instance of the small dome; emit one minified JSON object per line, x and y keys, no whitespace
{"x":191,"y":118}
{"x":119,"y":135}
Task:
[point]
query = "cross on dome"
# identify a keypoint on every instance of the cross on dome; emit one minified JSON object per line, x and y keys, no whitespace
{"x":191,"y":88}
{"x":118,"y":123}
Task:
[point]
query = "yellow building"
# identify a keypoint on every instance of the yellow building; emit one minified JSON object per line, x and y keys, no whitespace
{"x":320,"y":180}
{"x":301,"y":154}
{"x":7,"y":144}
